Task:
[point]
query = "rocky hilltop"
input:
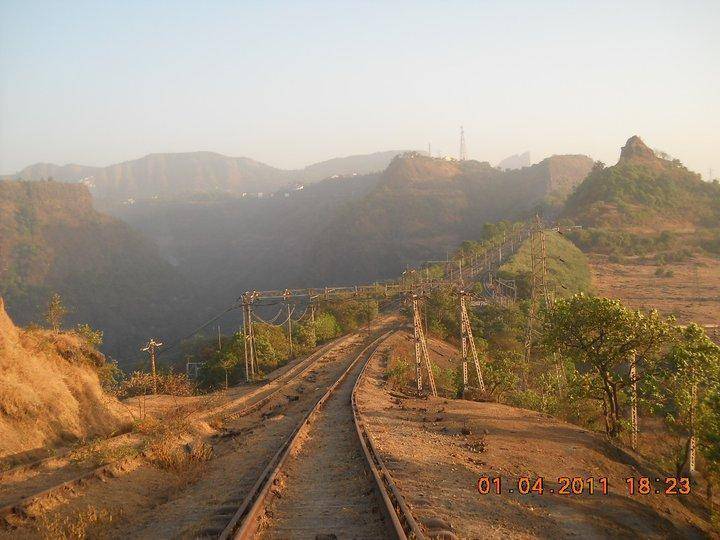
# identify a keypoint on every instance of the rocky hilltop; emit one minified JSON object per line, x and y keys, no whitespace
{"x":646,"y":191}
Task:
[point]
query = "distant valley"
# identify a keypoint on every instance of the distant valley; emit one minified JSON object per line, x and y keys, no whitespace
{"x":161,"y":265}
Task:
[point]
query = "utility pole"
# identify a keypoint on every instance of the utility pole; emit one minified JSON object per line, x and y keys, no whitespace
{"x":312,"y":321}
{"x":421,"y":352}
{"x":290,"y":343}
{"x":692,"y":446}
{"x":468,"y":342}
{"x":634,"y":403}
{"x":538,"y":290}
{"x":151,"y":348}
{"x":286,"y":295}
{"x":249,"y":336}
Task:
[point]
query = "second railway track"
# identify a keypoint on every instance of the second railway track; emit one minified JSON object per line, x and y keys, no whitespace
{"x":72,"y":478}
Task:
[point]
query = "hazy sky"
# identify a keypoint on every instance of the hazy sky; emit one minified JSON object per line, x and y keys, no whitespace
{"x":290,"y":83}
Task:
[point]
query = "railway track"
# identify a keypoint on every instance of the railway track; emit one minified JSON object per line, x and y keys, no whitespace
{"x":327,"y":480}
{"x":65,"y":476}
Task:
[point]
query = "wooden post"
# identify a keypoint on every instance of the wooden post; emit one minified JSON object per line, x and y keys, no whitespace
{"x":312,"y":321}
{"x":246,"y":335}
{"x":418,"y":353}
{"x":470,"y":340}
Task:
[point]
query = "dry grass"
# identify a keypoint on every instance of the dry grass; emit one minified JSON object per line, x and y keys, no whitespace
{"x":141,"y":384}
{"x":166,"y":448}
{"x":88,"y":523}
{"x":98,"y":452}
{"x":49,"y":391}
{"x":689,"y":290}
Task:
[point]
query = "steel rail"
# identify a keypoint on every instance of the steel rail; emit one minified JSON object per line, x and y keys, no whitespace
{"x":395,"y":506}
{"x":243,"y":525}
{"x":18,"y":506}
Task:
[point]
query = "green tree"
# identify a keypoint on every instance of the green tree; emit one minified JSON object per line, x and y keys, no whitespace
{"x":601,"y":337}
{"x":93,"y":337}
{"x":55,"y":312}
{"x":326,"y":326}
{"x":304,"y":337}
{"x":687,"y":377}
{"x":708,"y":427}
{"x":228,"y":361}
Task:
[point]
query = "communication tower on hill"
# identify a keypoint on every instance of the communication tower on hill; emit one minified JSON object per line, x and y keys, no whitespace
{"x":463,"y":148}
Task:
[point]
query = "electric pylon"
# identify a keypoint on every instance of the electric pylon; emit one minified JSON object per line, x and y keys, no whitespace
{"x":463,"y":148}
{"x":421,"y":352}
{"x":468,"y":342}
{"x":248,"y":336}
{"x":538,"y":282}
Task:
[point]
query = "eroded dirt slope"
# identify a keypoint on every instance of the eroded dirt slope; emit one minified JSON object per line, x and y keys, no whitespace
{"x":49,"y":392}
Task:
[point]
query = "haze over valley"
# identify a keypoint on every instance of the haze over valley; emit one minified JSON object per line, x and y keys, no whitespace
{"x":348,"y":270}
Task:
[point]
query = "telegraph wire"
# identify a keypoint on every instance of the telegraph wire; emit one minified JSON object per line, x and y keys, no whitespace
{"x":233,"y":307}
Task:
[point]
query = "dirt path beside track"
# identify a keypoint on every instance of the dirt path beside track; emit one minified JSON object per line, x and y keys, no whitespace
{"x":437,"y":449}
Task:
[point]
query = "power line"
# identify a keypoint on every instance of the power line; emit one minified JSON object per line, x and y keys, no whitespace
{"x":198,"y":329}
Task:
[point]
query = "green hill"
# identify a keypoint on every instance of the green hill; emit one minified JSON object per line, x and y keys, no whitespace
{"x":567,"y":267}
{"x":644,"y":191}
{"x":422,"y":206}
{"x":645,"y":205}
{"x":52,"y":240}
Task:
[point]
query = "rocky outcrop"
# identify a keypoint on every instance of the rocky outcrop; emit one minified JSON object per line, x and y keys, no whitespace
{"x":636,"y":150}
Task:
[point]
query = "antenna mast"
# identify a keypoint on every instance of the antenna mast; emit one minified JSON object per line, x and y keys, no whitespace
{"x":463,"y":149}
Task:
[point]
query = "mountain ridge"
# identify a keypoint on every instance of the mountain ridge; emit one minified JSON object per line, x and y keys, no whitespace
{"x":178,"y":174}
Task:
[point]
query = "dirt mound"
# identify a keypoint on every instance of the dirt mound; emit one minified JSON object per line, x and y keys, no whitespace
{"x":49,"y":390}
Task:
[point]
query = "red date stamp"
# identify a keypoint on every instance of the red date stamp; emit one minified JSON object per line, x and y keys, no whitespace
{"x":581,"y":485}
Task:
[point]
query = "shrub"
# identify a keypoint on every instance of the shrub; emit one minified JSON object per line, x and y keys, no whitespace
{"x":141,"y":383}
{"x":326,"y":327}
{"x":94,"y":338}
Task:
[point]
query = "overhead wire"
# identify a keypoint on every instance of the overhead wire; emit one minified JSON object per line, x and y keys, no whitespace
{"x":163,"y":350}
{"x":260,"y":319}
{"x":237,"y":305}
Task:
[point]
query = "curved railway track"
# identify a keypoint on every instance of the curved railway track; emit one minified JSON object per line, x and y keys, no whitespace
{"x":65,"y":479}
{"x":327,"y":480}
